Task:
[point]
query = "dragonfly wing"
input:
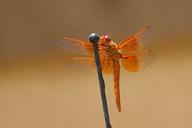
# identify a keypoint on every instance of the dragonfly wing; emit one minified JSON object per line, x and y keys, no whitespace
{"x":86,"y":60}
{"x":130,"y":63}
{"x":136,"y":41}
{"x":76,"y":46}
{"x":138,"y":60}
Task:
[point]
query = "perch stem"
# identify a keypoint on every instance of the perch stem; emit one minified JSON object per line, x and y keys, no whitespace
{"x":101,"y":84}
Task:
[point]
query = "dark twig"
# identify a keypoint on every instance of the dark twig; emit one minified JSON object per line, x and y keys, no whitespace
{"x":94,"y":38}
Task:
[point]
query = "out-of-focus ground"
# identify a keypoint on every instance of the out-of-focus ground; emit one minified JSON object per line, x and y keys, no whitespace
{"x":39,"y":88}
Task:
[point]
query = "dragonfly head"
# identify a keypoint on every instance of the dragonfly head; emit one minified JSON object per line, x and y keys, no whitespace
{"x":105,"y":39}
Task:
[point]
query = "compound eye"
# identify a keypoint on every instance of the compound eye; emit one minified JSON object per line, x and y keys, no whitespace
{"x":107,"y":38}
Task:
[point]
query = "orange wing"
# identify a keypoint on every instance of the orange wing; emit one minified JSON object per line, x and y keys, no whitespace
{"x":130,"y":63}
{"x":76,"y":46}
{"x":135,"y":55}
{"x":82,"y":49}
{"x":137,"y":61}
{"x":136,"y":41}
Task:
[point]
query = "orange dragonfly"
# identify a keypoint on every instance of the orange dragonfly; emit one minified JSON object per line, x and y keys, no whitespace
{"x":132,"y":52}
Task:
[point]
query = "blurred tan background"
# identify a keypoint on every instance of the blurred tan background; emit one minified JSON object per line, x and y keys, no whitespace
{"x":40,"y":89}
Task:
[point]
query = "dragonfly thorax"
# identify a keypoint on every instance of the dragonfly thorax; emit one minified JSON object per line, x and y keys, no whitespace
{"x":108,"y":50}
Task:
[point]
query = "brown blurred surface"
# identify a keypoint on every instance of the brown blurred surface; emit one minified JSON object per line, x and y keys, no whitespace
{"x":38,"y":88}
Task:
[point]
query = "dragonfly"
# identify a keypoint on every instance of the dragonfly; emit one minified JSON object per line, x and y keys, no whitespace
{"x":131,"y":53}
